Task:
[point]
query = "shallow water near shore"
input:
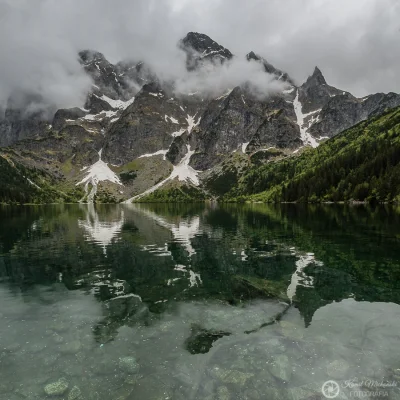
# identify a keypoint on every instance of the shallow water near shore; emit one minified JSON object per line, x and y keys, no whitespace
{"x":193,"y":301}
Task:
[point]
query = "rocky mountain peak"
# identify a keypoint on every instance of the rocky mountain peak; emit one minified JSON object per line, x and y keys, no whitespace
{"x":252,"y":56}
{"x":203,"y":44}
{"x":269,"y":68}
{"x":200,"y":49}
{"x":316,"y":78}
{"x":89,"y":56}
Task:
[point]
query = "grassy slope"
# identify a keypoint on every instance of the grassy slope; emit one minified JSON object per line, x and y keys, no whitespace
{"x":174,"y":192}
{"x":362,"y":163}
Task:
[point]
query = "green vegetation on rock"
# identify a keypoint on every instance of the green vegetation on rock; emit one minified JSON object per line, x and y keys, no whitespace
{"x":21,"y":185}
{"x":174,"y":191}
{"x":360,"y":164}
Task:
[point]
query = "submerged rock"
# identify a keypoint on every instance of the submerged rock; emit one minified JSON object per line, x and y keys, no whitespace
{"x":37,"y":347}
{"x":50,"y":360}
{"x":57,"y":338}
{"x":231,"y":376}
{"x":59,"y":327}
{"x":223,"y":393}
{"x":275,"y":346}
{"x":123,"y":307}
{"x":56,"y":388}
{"x":104,"y":367}
{"x":201,"y":340}
{"x":132,"y":379}
{"x":291,"y":331}
{"x":281,"y":368}
{"x":129,"y":365}
{"x":11,"y":348}
{"x":71,"y":347}
{"x":123,"y":393}
{"x":75,"y":393}
{"x":337,"y":369}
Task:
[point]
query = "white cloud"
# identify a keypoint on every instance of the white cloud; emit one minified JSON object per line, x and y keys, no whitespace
{"x":354,"y":42}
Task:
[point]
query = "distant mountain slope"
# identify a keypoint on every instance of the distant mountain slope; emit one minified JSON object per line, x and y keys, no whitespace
{"x":360,"y":164}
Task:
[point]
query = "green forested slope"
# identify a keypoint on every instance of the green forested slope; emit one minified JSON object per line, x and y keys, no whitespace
{"x":362,"y":163}
{"x":20,"y":184}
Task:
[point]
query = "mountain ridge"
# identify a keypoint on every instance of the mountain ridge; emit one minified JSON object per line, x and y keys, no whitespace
{"x":146,"y":130}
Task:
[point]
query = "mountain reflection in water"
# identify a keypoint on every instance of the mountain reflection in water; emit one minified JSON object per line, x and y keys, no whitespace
{"x":197,"y":302}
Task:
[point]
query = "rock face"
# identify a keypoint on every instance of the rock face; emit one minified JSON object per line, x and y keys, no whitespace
{"x":145,"y":127}
{"x":18,"y":125}
{"x":201,"y":49}
{"x":120,"y":81}
{"x":269,"y":68}
{"x":138,"y":120}
{"x":331,"y":110}
{"x":238,"y":121}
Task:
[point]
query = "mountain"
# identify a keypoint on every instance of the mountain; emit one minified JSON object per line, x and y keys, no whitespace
{"x":200,"y":49}
{"x":137,"y":135}
{"x":269,"y":68}
{"x":360,"y":164}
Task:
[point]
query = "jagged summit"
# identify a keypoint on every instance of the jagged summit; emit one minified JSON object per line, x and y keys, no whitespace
{"x":316,"y":78}
{"x":269,"y":68}
{"x":252,"y":56}
{"x":203,"y":44}
{"x":89,"y":56}
{"x":201,"y":49}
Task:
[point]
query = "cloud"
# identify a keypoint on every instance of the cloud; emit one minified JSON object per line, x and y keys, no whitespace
{"x":354,"y":43}
{"x":214,"y":79}
{"x":35,"y":61}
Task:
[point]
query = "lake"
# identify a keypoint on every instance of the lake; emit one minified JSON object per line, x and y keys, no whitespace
{"x":194,"y":301}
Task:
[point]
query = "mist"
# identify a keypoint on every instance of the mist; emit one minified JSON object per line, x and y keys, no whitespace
{"x":216,"y":79}
{"x":354,"y":43}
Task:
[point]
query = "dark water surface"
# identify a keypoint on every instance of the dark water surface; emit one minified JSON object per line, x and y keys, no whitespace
{"x":156,"y":302}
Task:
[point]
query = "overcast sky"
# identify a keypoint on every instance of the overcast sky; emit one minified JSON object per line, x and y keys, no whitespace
{"x":354,"y":42}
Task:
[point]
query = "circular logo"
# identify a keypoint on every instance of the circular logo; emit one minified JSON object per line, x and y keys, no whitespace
{"x":330,"y":389}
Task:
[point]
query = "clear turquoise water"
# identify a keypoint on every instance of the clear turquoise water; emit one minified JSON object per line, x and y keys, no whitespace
{"x":198,"y":302}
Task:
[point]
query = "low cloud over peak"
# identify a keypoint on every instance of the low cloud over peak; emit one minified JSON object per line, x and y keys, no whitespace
{"x":354,"y":46}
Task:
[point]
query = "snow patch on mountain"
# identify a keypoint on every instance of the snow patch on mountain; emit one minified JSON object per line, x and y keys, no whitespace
{"x":183,"y":171}
{"x":172,"y":119}
{"x":224,"y":95}
{"x":100,"y":116}
{"x":98,"y":172}
{"x":178,"y":133}
{"x":191,"y":122}
{"x":118,"y":104}
{"x":157,"y":153}
{"x":304,"y":135}
{"x":288,"y":91}
{"x":32,"y":183}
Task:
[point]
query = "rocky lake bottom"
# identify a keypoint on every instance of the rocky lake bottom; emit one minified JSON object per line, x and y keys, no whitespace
{"x":199,"y":302}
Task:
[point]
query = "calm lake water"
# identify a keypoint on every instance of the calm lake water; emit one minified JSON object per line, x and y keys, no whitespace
{"x":185,"y":302}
